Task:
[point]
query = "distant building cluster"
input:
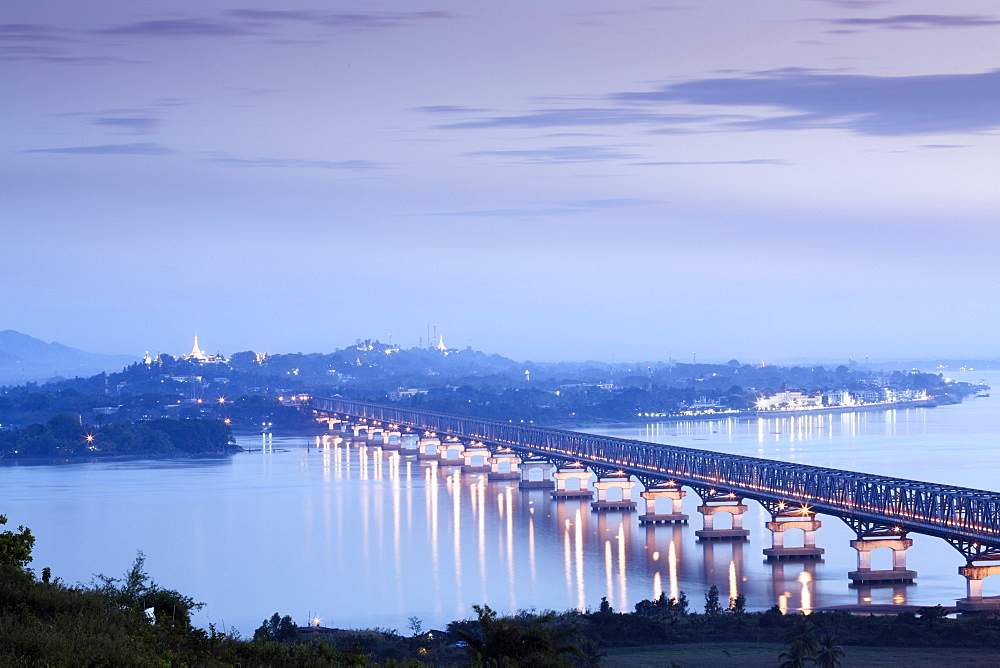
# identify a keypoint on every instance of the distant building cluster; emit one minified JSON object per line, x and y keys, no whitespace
{"x":795,"y":400}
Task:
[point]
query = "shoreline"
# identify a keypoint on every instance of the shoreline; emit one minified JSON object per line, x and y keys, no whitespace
{"x":750,"y":415}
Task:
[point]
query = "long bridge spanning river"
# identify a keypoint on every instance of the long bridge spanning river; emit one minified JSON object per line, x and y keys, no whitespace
{"x":881,"y":510}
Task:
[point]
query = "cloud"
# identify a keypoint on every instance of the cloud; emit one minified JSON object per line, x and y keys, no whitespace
{"x":916,"y":22}
{"x":188,"y":27}
{"x":560,"y":154}
{"x":294,"y":163}
{"x":350,"y":20}
{"x":138,"y":125}
{"x":447,"y":109}
{"x":139,"y":148}
{"x":585,"y":116}
{"x":863,"y":104}
{"x":568,"y":208}
{"x":856,"y":4}
{"x":938,"y":146}
{"x":32,"y":32}
{"x":755,"y":161}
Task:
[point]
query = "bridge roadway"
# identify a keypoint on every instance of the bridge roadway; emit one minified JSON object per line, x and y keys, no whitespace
{"x":872,"y":505}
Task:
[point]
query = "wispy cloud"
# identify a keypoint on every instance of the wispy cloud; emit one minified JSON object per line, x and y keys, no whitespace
{"x":139,"y":148}
{"x":349,"y":20}
{"x":913,"y":22}
{"x":864,"y":104}
{"x":138,"y":125}
{"x":564,"y":209}
{"x":585,"y":116}
{"x":33,"y":32}
{"x":672,"y":163}
{"x":186,"y":27}
{"x":560,"y":154}
{"x":294,"y":163}
{"x":856,"y":4}
{"x":447,"y":109}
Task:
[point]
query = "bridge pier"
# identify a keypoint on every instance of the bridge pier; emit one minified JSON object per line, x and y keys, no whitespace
{"x":390,"y":440}
{"x":671,"y":492}
{"x":409,"y":444}
{"x":782,"y":522}
{"x":899,"y":572}
{"x":603,"y":484}
{"x":709,"y":532}
{"x":427,"y":447}
{"x":504,"y":466}
{"x":451,"y":446}
{"x":974,"y":600}
{"x":476,"y":452}
{"x":563,"y":474}
{"x":529,"y":465}
{"x":375,"y":433}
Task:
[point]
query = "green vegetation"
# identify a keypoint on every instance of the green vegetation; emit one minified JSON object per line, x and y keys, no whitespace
{"x":132,"y":620}
{"x":63,"y":436}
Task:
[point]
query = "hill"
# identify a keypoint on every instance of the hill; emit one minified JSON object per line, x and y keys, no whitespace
{"x":26,"y":359}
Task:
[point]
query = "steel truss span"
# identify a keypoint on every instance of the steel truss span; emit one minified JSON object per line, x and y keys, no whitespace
{"x":969,"y":519}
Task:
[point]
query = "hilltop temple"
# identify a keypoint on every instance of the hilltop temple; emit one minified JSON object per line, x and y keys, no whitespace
{"x":201,"y":357}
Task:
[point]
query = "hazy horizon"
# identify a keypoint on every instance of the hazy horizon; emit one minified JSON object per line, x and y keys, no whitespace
{"x":777,"y":181}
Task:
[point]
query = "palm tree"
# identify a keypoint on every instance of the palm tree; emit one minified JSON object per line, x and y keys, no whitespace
{"x":830,"y":653}
{"x":803,"y":645}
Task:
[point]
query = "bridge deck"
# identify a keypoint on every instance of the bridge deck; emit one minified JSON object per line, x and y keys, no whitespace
{"x":968,"y":518}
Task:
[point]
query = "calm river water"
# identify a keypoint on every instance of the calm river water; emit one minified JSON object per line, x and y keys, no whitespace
{"x":361,"y":538}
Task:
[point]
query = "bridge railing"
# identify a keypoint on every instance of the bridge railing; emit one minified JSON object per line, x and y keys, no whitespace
{"x":943,"y":510}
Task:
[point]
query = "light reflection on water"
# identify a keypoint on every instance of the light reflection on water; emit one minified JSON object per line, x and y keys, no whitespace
{"x":363,"y":537}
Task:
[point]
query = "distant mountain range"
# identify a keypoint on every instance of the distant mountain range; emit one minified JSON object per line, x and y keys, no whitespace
{"x":25,"y":359}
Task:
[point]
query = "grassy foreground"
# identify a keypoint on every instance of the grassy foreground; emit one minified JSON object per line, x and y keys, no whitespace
{"x":751,"y":655}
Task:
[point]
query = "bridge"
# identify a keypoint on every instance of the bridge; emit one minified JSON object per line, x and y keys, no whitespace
{"x":881,"y":510}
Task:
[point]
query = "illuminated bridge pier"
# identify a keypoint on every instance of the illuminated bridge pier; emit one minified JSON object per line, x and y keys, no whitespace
{"x":536,"y":473}
{"x":785,"y":517}
{"x":881,"y":510}
{"x":614,"y":491}
{"x":714,"y":502}
{"x":572,"y":482}
{"x":476,"y":458}
{"x":654,"y":492}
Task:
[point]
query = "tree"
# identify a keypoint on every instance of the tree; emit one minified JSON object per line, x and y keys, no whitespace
{"x":15,"y":548}
{"x":737,"y":604}
{"x":281,"y":629}
{"x":138,"y":591}
{"x":525,"y":640}
{"x":803,"y":645}
{"x":829,"y":654}
{"x":712,"y":605}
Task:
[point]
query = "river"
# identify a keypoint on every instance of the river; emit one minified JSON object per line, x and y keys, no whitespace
{"x":360,"y":538}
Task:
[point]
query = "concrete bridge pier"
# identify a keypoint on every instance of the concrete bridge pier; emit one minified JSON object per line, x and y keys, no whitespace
{"x":476,"y":458}
{"x":427,"y":447}
{"x":675,"y":494}
{"x":375,"y":434}
{"x":451,"y":452}
{"x":604,"y":484}
{"x":529,"y":481}
{"x":809,"y":527}
{"x":898,"y":573}
{"x":358,"y":429}
{"x":736,"y":508}
{"x":975,"y":601}
{"x":504,"y":466}
{"x":409,"y":444}
{"x":390,"y":440}
{"x":572,"y":482}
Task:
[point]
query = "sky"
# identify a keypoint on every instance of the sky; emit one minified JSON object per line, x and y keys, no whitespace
{"x":559,"y":180}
